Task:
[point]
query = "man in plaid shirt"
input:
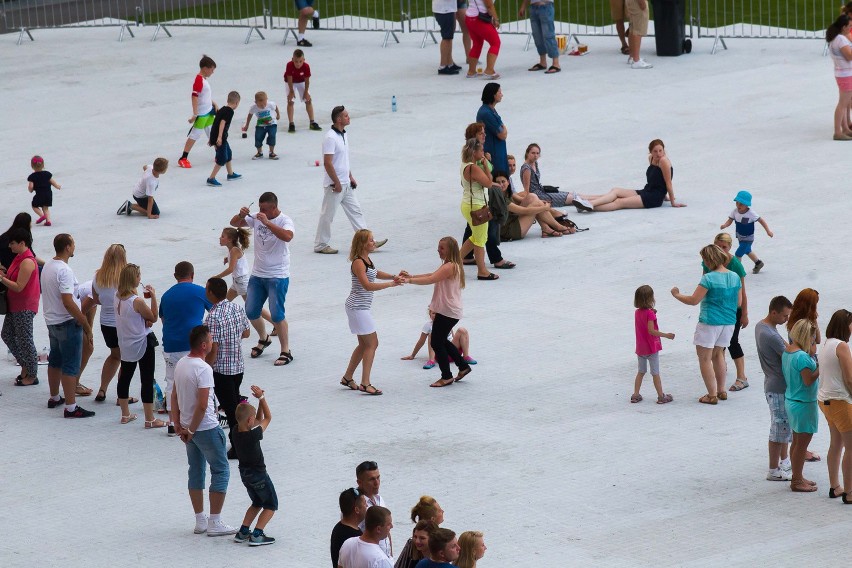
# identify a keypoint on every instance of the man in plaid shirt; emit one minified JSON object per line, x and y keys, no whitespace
{"x":228,"y":326}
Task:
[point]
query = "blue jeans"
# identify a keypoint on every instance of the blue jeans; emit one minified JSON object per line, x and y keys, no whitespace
{"x":269,"y":132}
{"x":260,"y":489}
{"x":223,"y":154}
{"x":259,"y":289}
{"x":66,"y":347}
{"x":208,"y":446}
{"x":543,"y":30}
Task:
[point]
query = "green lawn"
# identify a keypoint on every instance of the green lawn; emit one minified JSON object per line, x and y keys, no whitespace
{"x":800,"y":14}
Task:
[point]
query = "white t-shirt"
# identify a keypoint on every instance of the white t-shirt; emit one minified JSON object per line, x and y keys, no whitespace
{"x":271,"y":254}
{"x":842,"y":68}
{"x":336,"y":144}
{"x":191,"y":374}
{"x":84,"y":290}
{"x":147,"y":185}
{"x":266,"y":115}
{"x":377,"y":500}
{"x":355,"y":553}
{"x":57,"y":278}
{"x":444,"y":6}
{"x":201,"y":89}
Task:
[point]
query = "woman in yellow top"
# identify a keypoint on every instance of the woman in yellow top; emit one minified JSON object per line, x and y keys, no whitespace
{"x":475,"y":180}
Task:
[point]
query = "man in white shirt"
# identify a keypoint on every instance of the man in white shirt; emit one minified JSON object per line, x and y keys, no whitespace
{"x":338,"y":184}
{"x":270,"y":274}
{"x":193,"y":411}
{"x":365,"y":551}
{"x":369,"y":480}
{"x":67,"y":327}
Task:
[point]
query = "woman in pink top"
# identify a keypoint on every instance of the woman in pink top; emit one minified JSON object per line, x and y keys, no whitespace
{"x":23,"y":293}
{"x":447,"y":305}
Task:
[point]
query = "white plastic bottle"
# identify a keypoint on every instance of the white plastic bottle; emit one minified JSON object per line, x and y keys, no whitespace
{"x":393,"y":103}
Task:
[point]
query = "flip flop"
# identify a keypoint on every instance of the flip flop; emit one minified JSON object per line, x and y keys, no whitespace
{"x":462,"y":374}
{"x":506,"y":265}
{"x":814,"y":458}
{"x":19,"y":382}
{"x":82,"y":390}
{"x":366,"y":390}
{"x":101,"y":396}
{"x":537,"y":67}
{"x":285,"y":358}
{"x":552,"y":69}
{"x":491,"y":276}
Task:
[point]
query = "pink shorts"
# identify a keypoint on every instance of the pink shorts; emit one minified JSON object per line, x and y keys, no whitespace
{"x":845,"y":83}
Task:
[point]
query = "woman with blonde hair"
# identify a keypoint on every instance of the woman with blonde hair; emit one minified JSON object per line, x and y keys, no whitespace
{"x":801,"y":373}
{"x":805,"y":307}
{"x":475,"y":179}
{"x":427,"y":509}
{"x":358,"y":304}
{"x":104,"y":286}
{"x":719,"y":294}
{"x":471,"y":548}
{"x":446,"y":302}
{"x":136,"y":342}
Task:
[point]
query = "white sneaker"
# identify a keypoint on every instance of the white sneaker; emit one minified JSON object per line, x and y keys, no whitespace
{"x":776,"y":475}
{"x":582,"y":204}
{"x":640,"y":64}
{"x":629,"y":60}
{"x":785,"y":465}
{"x":201,"y":525}
{"x":218,"y":528}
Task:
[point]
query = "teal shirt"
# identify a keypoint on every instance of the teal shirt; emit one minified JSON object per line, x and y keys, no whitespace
{"x":719,"y":306}
{"x":792,"y":365}
{"x":734,"y":265}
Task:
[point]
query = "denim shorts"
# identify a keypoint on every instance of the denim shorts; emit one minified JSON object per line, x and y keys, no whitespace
{"x":208,"y":446}
{"x":653,"y":360}
{"x":223,"y":154}
{"x":260,"y":489}
{"x":743,"y":249}
{"x":66,"y":347}
{"x":302,"y":4}
{"x":143,"y":203}
{"x":269,"y":132}
{"x":259,"y":289}
{"x":447,"y":22}
{"x":779,"y":428}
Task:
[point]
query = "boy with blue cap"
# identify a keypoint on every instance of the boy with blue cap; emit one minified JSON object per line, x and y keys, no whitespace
{"x":744,"y":219}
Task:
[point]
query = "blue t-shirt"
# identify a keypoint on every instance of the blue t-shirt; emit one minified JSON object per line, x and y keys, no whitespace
{"x":719,"y":306}
{"x":182,"y":308}
{"x":493,"y":145}
{"x":744,"y":223}
{"x":426,"y":563}
{"x":792,"y":365}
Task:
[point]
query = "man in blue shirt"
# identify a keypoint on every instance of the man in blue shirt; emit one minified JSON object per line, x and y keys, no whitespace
{"x":444,"y":548}
{"x":181,"y":308}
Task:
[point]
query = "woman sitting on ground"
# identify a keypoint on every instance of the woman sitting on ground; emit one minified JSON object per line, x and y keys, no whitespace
{"x":658,"y":189}
{"x":524,"y":211}
{"x":531,"y":180}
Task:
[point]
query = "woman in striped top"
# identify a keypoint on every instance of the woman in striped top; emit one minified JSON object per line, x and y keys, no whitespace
{"x":364,"y":275}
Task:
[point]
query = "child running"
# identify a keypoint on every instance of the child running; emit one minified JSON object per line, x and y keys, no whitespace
{"x":648,"y":344}
{"x":219,"y":139}
{"x":267,"y":125}
{"x":237,"y":241}
{"x":251,"y":425}
{"x":458,"y":337}
{"x":297,"y":75}
{"x":744,"y":217}
{"x":39,"y":182}
{"x":203,"y":108}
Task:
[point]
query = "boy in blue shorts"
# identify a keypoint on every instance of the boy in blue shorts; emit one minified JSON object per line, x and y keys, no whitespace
{"x":203,"y":108}
{"x":745,"y":218}
{"x":219,"y":139}
{"x":246,"y":442}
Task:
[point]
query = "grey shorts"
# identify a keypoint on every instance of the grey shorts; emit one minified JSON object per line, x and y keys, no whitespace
{"x":779,"y":427}
{"x":653,"y":359}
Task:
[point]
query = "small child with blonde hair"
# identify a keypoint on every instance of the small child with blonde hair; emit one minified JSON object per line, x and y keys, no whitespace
{"x":39,"y":182}
{"x":251,"y":425}
{"x":648,"y":344}
{"x":268,"y":115}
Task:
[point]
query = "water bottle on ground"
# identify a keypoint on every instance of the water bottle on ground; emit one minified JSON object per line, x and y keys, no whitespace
{"x":393,"y":103}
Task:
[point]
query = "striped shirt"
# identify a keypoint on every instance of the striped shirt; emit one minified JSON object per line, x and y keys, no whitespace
{"x":359,"y":298}
{"x":227,"y":322}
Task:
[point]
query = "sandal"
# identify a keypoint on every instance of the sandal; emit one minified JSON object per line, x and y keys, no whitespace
{"x":506,"y":265}
{"x":130,"y":400}
{"x":552,"y":69}
{"x":814,"y":457}
{"x":537,"y":67}
{"x":101,"y":395}
{"x":625,"y":51}
{"x":155,"y":423}
{"x":568,"y":231}
{"x":636,"y":398}
{"x":491,"y":276}
{"x":664,"y":399}
{"x":549,"y":233}
{"x":739,"y":385}
{"x":273,"y":156}
{"x":832,"y":494}
{"x":462,"y":374}
{"x":707,"y":399}
{"x":82,"y":390}
{"x":19,"y":382}
{"x":285,"y":358}
{"x":722,"y":395}
{"x":349,"y":383}
{"x":128,"y":419}
{"x":443,"y":383}
{"x":802,"y":486}
{"x":366,"y":389}
{"x":258,"y":350}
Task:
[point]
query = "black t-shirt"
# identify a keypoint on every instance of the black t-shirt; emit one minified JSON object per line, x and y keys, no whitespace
{"x":247,"y":446}
{"x":40,"y":181}
{"x":339,"y":535}
{"x":225,"y":113}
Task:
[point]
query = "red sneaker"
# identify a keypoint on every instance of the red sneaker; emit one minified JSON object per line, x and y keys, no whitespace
{"x":42,"y":218}
{"x":184,"y":163}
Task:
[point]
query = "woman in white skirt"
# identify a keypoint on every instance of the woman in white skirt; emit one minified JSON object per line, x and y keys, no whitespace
{"x":364,"y":275}
{"x":237,"y":241}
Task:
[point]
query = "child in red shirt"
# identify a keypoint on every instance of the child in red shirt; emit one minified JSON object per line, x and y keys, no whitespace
{"x":297,"y":75}
{"x":648,"y":344}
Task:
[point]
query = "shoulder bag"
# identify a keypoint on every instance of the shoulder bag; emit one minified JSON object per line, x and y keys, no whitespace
{"x":483,"y":214}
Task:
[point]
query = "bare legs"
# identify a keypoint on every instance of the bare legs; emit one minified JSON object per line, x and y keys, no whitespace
{"x":839,"y":459}
{"x":712,"y":365}
{"x":217,"y":500}
{"x":460,"y":15}
{"x":617,"y":198}
{"x":478,"y":255}
{"x":777,"y":453}
{"x":841,"y":114}
{"x":797,"y":460}
{"x":363,"y":354}
{"x":110,"y":368}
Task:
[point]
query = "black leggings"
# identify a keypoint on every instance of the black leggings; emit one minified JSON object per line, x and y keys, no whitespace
{"x":227,"y":389}
{"x":494,"y":254}
{"x":734,"y":348}
{"x":443,"y":347}
{"x":146,"y":373}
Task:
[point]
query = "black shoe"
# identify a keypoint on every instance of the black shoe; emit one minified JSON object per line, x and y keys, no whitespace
{"x":304,"y":43}
{"x":315,"y":126}
{"x":171,"y":431}
{"x":448,"y":71}
{"x":232,"y":454}
{"x":79,"y":412}
{"x":54,"y":403}
{"x":292,"y":128}
{"x":455,"y":67}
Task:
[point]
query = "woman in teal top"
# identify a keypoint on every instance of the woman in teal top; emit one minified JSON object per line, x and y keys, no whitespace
{"x":719,"y":293}
{"x":801,"y":373}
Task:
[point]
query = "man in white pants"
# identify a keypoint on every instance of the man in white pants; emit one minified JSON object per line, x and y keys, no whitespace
{"x":338,"y":184}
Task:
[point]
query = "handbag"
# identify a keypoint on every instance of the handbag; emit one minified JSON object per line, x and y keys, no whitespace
{"x":483,"y":16}
{"x":481,"y":215}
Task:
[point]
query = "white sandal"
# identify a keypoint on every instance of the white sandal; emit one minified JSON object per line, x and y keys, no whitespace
{"x":128,"y":419}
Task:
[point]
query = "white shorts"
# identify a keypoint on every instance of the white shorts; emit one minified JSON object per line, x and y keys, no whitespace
{"x":240,"y":285}
{"x":361,"y":322}
{"x":299,"y":89}
{"x":711,"y":336}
